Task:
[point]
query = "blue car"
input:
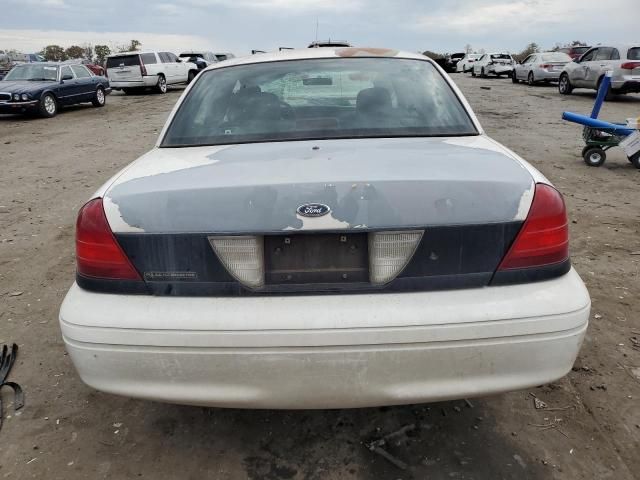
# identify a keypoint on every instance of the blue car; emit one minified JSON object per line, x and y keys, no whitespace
{"x":42,"y":88}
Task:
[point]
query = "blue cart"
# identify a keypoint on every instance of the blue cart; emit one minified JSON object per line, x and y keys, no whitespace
{"x":600,"y":136}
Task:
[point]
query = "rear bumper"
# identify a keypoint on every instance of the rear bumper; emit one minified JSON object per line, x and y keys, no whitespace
{"x":146,"y":81}
{"x":326,"y":351}
{"x":549,"y":76}
{"x":499,"y":69}
{"x":626,"y":85}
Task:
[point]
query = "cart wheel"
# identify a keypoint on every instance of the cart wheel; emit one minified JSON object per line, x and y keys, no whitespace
{"x":635,"y":160}
{"x":586,"y":149}
{"x":594,"y":157}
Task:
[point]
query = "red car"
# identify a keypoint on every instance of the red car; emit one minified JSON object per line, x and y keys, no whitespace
{"x":574,"y":52}
{"x":96,"y":69}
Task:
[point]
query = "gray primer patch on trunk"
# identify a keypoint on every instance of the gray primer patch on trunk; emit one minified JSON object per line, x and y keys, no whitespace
{"x":372,"y":183}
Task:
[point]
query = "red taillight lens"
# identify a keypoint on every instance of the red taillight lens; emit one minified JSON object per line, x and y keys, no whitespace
{"x":544,"y":237}
{"x":143,"y":69}
{"x":546,"y":65}
{"x":97,"y":251}
{"x":630,"y":65}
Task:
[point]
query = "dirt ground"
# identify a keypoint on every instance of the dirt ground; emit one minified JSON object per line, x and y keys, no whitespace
{"x":591,"y":428}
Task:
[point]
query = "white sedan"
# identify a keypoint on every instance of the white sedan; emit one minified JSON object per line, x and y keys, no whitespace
{"x":497,"y":64}
{"x":323,"y":228}
{"x":466,"y":64}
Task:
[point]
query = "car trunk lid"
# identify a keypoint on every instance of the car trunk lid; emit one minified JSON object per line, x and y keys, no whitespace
{"x":399,"y":214}
{"x":367,"y":184}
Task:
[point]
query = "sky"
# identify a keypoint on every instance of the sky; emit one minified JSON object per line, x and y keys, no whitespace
{"x":239,"y":26}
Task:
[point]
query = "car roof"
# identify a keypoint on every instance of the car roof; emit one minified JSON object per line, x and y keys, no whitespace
{"x":137,"y":52}
{"x":311,"y":53}
{"x":619,"y":46}
{"x":46,"y":64}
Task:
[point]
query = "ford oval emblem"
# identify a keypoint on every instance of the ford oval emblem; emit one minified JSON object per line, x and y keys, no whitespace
{"x":313,"y":210}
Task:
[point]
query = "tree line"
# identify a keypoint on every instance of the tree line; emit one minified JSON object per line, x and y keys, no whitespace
{"x":92,"y":53}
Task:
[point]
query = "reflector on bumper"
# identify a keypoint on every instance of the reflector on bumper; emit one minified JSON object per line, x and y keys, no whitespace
{"x":389,"y":253}
{"x":243,"y":257}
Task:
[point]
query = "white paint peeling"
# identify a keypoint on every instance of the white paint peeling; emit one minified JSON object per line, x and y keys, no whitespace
{"x":159,"y":162}
{"x":328,"y":222}
{"x":480,"y":142}
{"x":114,"y":217}
{"x":525,"y":203}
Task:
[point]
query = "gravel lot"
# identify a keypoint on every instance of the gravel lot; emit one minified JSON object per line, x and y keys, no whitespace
{"x":67,"y":431}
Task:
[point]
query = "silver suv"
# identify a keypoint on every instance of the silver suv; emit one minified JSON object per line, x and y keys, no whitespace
{"x":589,"y":70}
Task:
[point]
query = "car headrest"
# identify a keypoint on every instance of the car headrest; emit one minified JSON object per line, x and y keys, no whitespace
{"x":373,"y":100}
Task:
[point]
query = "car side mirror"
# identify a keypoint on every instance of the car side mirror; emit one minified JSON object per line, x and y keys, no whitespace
{"x":67,"y":77}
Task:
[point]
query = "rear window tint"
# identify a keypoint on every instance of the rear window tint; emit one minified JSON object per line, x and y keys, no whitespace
{"x":634,"y":53}
{"x":579,"y":50}
{"x":148,"y":58}
{"x":126,"y":60}
{"x":503,"y":56}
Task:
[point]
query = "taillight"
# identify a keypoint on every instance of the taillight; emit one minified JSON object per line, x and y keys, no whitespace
{"x":143,"y":68}
{"x":98,"y":254}
{"x":544,"y":237}
{"x":630,"y":65}
{"x":546,"y":65}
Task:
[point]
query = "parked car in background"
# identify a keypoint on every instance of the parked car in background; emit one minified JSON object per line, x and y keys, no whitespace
{"x":574,"y":52}
{"x":540,"y":67}
{"x":589,"y":70}
{"x":451,"y":61}
{"x":44,"y":88}
{"x":134,"y":71}
{"x":224,"y":56}
{"x":466,"y":63}
{"x":497,"y":64}
{"x":95,"y":69}
{"x":201,"y":58}
{"x":8,"y":60}
{"x":329,"y":44}
{"x":323,"y":228}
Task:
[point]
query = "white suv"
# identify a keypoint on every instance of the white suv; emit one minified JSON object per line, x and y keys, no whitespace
{"x":129,"y":71}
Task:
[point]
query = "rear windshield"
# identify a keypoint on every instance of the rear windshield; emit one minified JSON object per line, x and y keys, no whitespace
{"x":318,"y":99}
{"x":501,"y":56}
{"x":191,"y":55}
{"x":125,"y":60}
{"x":556,"y":57}
{"x":634,"y":53}
{"x":580,"y":50}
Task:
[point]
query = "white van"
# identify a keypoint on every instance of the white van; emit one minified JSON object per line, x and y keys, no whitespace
{"x":129,"y":71}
